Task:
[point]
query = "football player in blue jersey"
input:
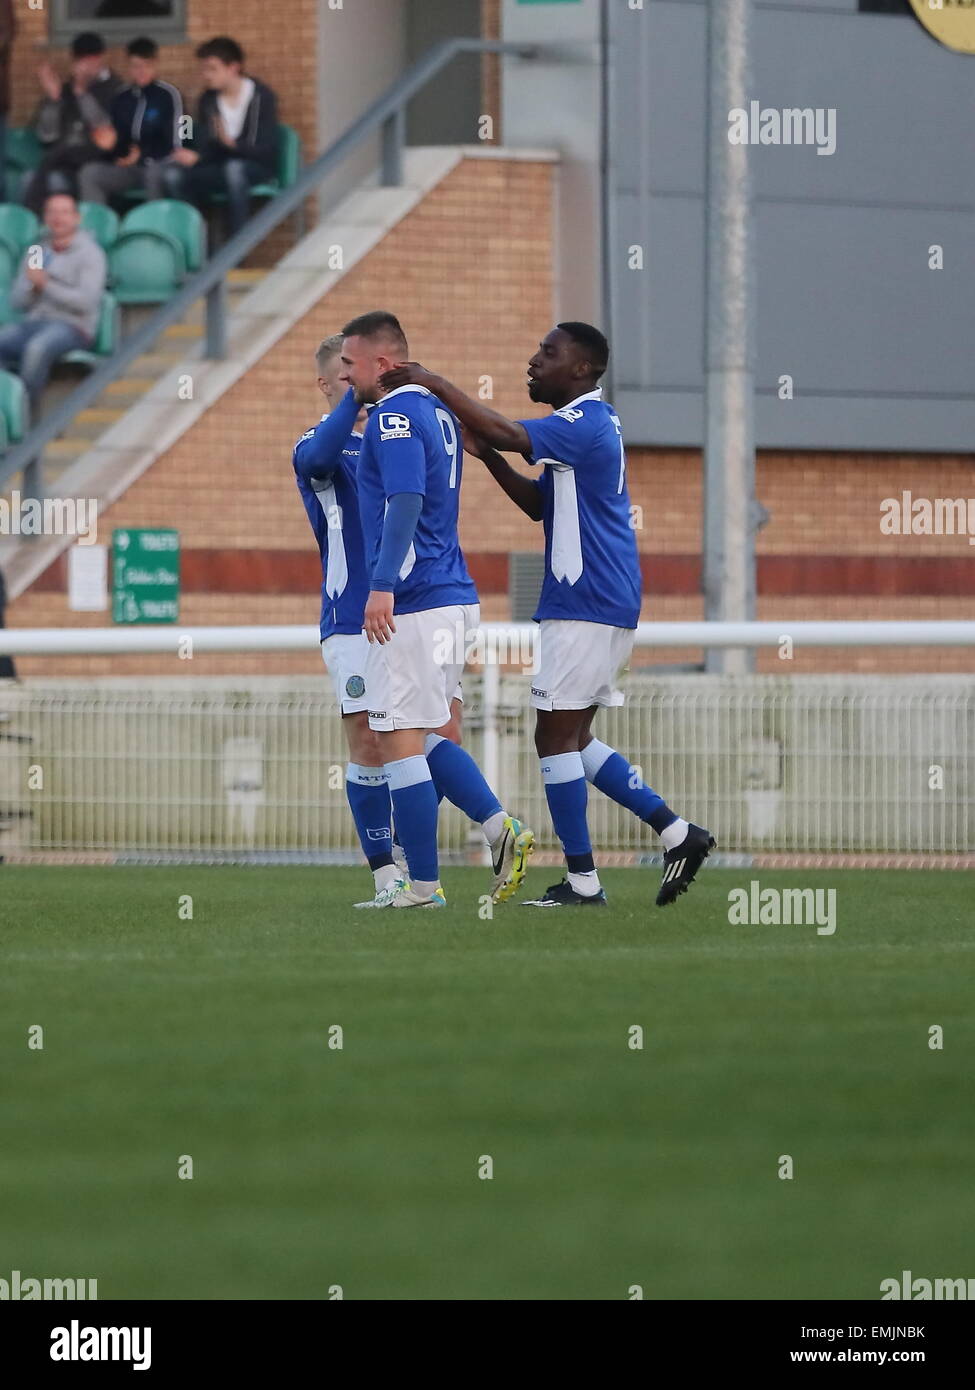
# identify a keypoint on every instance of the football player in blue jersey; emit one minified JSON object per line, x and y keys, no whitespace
{"x":590,"y":600}
{"x":420,"y":614}
{"x":325,"y":460}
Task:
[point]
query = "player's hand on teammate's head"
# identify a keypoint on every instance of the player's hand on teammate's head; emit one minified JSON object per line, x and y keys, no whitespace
{"x":405,"y":374}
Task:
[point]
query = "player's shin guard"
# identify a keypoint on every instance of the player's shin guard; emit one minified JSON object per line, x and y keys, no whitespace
{"x":457,"y":777}
{"x":568,"y":796}
{"x":415,"y":808}
{"x":613,"y":775}
{"x":368,"y":794}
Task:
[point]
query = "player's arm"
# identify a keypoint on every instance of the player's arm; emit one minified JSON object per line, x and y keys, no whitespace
{"x":319,"y":452}
{"x":524,"y":492}
{"x":494,"y":429}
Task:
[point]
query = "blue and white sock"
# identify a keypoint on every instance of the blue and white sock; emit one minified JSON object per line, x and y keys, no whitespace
{"x":415,"y":808}
{"x":368,"y":795}
{"x":568,"y":796}
{"x":613,"y":775}
{"x":457,"y":777}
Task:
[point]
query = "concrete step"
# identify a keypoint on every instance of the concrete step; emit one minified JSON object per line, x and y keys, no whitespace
{"x":183,"y":332}
{"x":67,"y":448}
{"x":196,"y":313}
{"x":95,"y":420}
{"x":245,"y":279}
{"x":125,"y":392}
{"x":152,"y":365}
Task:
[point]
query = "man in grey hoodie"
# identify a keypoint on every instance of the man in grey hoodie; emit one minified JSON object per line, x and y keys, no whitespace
{"x":59,"y":290}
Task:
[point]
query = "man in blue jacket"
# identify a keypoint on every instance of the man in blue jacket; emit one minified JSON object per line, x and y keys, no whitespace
{"x":146,"y":120}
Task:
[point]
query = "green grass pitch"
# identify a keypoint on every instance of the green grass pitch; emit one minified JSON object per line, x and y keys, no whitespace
{"x":612,"y":1167}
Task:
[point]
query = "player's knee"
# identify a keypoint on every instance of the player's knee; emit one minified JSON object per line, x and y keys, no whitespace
{"x":452,"y":731}
{"x":556,"y":735}
{"x":364,"y":745}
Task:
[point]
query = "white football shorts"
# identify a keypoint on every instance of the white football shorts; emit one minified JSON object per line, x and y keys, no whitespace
{"x":580,"y":664}
{"x":345,"y":656}
{"x":413,"y":678}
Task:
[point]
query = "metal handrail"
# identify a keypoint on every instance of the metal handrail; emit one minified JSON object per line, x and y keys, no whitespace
{"x":387,"y":112}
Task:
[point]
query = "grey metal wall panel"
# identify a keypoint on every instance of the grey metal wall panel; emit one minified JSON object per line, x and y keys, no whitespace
{"x":658,"y":324}
{"x":861,"y":311}
{"x":879,"y":346}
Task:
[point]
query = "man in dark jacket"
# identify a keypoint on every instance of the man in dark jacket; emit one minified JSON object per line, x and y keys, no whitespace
{"x":146,"y":117}
{"x":235,"y":135}
{"x":72,"y":121}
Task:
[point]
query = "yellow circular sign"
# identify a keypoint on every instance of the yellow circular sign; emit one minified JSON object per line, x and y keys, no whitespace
{"x":952,"y":22}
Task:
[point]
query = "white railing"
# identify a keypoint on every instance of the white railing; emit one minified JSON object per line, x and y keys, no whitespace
{"x":238,"y":768}
{"x":508,"y":636}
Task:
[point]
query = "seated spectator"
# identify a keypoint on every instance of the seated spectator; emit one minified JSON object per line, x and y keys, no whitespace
{"x":59,"y":290}
{"x":72,"y":120}
{"x":235,"y":137}
{"x":146,"y":118}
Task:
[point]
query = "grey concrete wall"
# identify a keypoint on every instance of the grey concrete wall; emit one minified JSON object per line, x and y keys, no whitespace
{"x":555,"y":103}
{"x":879,"y":345}
{"x":361,"y":52}
{"x":446,"y":112}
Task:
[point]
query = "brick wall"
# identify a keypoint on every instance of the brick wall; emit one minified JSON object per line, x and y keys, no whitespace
{"x":478,"y":280}
{"x":469,"y":273}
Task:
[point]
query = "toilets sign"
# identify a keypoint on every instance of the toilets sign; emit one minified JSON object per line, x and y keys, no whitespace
{"x":145,"y":576}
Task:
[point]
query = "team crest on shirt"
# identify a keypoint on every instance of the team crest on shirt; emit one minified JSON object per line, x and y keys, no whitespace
{"x":355,"y":687}
{"x":393,"y":426}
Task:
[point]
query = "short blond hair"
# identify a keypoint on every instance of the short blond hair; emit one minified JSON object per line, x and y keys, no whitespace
{"x":326,"y":350}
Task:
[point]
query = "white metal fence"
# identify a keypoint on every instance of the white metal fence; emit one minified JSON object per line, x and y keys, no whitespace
{"x":225,"y":770}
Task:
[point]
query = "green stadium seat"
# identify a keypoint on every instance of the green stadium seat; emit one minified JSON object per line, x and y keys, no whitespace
{"x":22,"y":152}
{"x":10,"y":258}
{"x":289,"y":166}
{"x":101,"y":222}
{"x":14,"y":409}
{"x":19,"y":226}
{"x":106,"y":336}
{"x":146,"y":267}
{"x":173,"y":218}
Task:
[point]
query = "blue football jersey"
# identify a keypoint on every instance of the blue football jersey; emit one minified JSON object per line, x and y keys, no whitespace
{"x":412,"y":443}
{"x":592,"y":569}
{"x":333,"y":510}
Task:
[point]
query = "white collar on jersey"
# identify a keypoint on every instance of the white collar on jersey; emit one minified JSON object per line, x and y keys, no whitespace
{"x":400,"y":389}
{"x":596,"y":395}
